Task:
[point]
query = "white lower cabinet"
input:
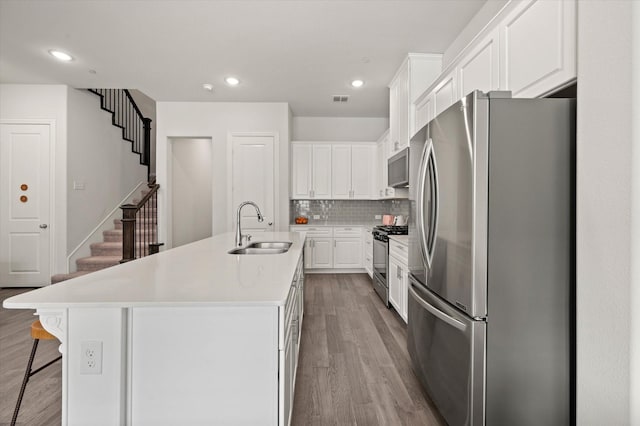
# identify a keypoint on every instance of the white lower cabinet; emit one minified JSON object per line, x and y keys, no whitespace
{"x":321,"y":253}
{"x":367,"y":252}
{"x":347,"y":253}
{"x":398,"y":277}
{"x":330,"y":247}
{"x":289,"y":353}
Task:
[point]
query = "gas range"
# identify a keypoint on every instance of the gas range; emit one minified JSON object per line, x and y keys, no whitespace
{"x":382,"y":232}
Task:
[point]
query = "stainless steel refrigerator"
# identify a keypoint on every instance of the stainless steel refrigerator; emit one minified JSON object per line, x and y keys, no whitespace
{"x":492,"y":260}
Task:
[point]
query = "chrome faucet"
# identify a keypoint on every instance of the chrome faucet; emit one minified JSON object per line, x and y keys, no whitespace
{"x":239,"y":235}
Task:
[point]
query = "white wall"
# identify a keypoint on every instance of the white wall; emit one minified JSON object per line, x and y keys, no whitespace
{"x":48,"y":102}
{"x":191,"y":171}
{"x":101,"y":159}
{"x":352,"y":129}
{"x":635,"y":217}
{"x":604,"y":259}
{"x":216,"y":120}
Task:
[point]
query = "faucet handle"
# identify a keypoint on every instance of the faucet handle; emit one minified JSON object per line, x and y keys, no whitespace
{"x":246,"y":238}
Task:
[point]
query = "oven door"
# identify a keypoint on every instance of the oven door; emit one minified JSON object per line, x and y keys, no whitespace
{"x":381,"y":260}
{"x":447,"y":350}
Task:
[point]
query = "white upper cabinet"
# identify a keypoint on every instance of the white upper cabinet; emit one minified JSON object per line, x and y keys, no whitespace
{"x":363,"y":162}
{"x":480,"y":69}
{"x":416,"y":73}
{"x":352,"y":175}
{"x":321,"y":175}
{"x":334,"y":170}
{"x":539,"y":47}
{"x":445,"y":93}
{"x":310,"y":171}
{"x":424,"y":111}
{"x":301,"y":171}
{"x":341,"y":171}
{"x":529,"y":48}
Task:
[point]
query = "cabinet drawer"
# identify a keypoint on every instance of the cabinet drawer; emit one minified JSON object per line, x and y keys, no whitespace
{"x":314,"y":231}
{"x":347,"y":231}
{"x":400,"y":251}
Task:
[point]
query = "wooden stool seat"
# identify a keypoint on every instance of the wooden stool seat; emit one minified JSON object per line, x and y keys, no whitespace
{"x":38,"y":331}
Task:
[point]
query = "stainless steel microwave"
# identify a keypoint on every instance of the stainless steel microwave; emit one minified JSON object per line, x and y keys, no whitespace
{"x":398,"y":169}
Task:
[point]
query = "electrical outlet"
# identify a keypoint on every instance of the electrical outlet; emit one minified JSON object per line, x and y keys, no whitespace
{"x":91,"y":357}
{"x":378,"y":216}
{"x":316,"y":216}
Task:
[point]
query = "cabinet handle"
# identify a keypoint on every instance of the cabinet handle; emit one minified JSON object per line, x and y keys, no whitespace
{"x":399,"y":272}
{"x":312,"y":193}
{"x":381,"y":194}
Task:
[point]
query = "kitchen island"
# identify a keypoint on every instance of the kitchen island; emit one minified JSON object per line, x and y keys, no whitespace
{"x":192,"y":335}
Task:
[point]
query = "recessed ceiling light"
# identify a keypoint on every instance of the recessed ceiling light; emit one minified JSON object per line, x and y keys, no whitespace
{"x":232,"y":81}
{"x":60,"y":55}
{"x":208,"y":86}
{"x":357,"y":83}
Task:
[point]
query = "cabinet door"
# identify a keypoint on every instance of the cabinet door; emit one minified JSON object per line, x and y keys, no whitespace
{"x":404,"y":293}
{"x":393,"y":112}
{"x":308,"y":253}
{"x":445,"y":93}
{"x":287,"y":378}
{"x":321,"y":176}
{"x":300,"y":171}
{"x":538,"y":47}
{"x":395,"y":292}
{"x":347,"y":253}
{"x":322,"y":253}
{"x":423,"y":112}
{"x":362,"y":171}
{"x":341,"y":171}
{"x":403,"y":110}
{"x":480,"y":69}
{"x":382,"y":167}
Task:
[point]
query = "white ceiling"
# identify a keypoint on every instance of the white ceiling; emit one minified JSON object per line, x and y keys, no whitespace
{"x":296,"y":51}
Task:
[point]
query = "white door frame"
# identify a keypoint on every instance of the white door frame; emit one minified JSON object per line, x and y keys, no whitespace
{"x":53,"y":224}
{"x":276,"y":175}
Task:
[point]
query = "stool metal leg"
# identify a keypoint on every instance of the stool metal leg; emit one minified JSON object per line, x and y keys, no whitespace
{"x":27,"y":374}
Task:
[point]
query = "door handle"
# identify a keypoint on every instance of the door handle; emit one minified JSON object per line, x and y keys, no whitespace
{"x":44,"y":226}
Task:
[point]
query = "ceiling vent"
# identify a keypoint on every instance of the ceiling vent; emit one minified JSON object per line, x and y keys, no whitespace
{"x":340,"y":98}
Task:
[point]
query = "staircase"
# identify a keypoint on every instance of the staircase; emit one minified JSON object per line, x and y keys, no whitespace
{"x":109,"y":252}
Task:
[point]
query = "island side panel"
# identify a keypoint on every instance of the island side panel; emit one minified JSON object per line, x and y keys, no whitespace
{"x":210,"y":365}
{"x":96,"y":399}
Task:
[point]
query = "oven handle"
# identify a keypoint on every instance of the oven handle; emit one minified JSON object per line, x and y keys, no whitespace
{"x":436,"y":312}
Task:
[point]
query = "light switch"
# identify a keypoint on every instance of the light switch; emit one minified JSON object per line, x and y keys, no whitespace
{"x":78,"y":185}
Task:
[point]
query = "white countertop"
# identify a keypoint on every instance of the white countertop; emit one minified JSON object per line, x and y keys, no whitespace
{"x":197,"y":274}
{"x":402,"y":239}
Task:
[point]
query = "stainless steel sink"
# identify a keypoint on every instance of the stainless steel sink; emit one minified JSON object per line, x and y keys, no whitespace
{"x":267,"y":247}
{"x":271,"y":244}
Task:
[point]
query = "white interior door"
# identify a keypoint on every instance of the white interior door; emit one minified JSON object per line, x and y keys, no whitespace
{"x":253,"y":180}
{"x":191,"y":190}
{"x":25,"y":251}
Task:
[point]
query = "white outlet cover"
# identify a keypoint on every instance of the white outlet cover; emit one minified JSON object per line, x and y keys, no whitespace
{"x":316,"y":216}
{"x":378,"y":216}
{"x":91,"y":357}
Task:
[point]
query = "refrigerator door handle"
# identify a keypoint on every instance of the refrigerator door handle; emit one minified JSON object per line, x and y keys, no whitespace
{"x":419,"y":203}
{"x":436,"y":312}
{"x":428,"y":168}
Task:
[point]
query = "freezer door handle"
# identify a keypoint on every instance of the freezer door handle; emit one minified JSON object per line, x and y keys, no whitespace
{"x":436,"y":312}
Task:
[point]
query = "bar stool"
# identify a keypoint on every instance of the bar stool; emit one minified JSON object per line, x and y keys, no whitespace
{"x":37,"y":333}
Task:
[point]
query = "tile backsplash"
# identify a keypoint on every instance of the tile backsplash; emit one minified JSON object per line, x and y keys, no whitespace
{"x":346,"y":211}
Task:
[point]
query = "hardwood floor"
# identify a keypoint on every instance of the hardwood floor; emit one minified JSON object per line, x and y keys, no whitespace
{"x":354,"y":368}
{"x":41,"y":405}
